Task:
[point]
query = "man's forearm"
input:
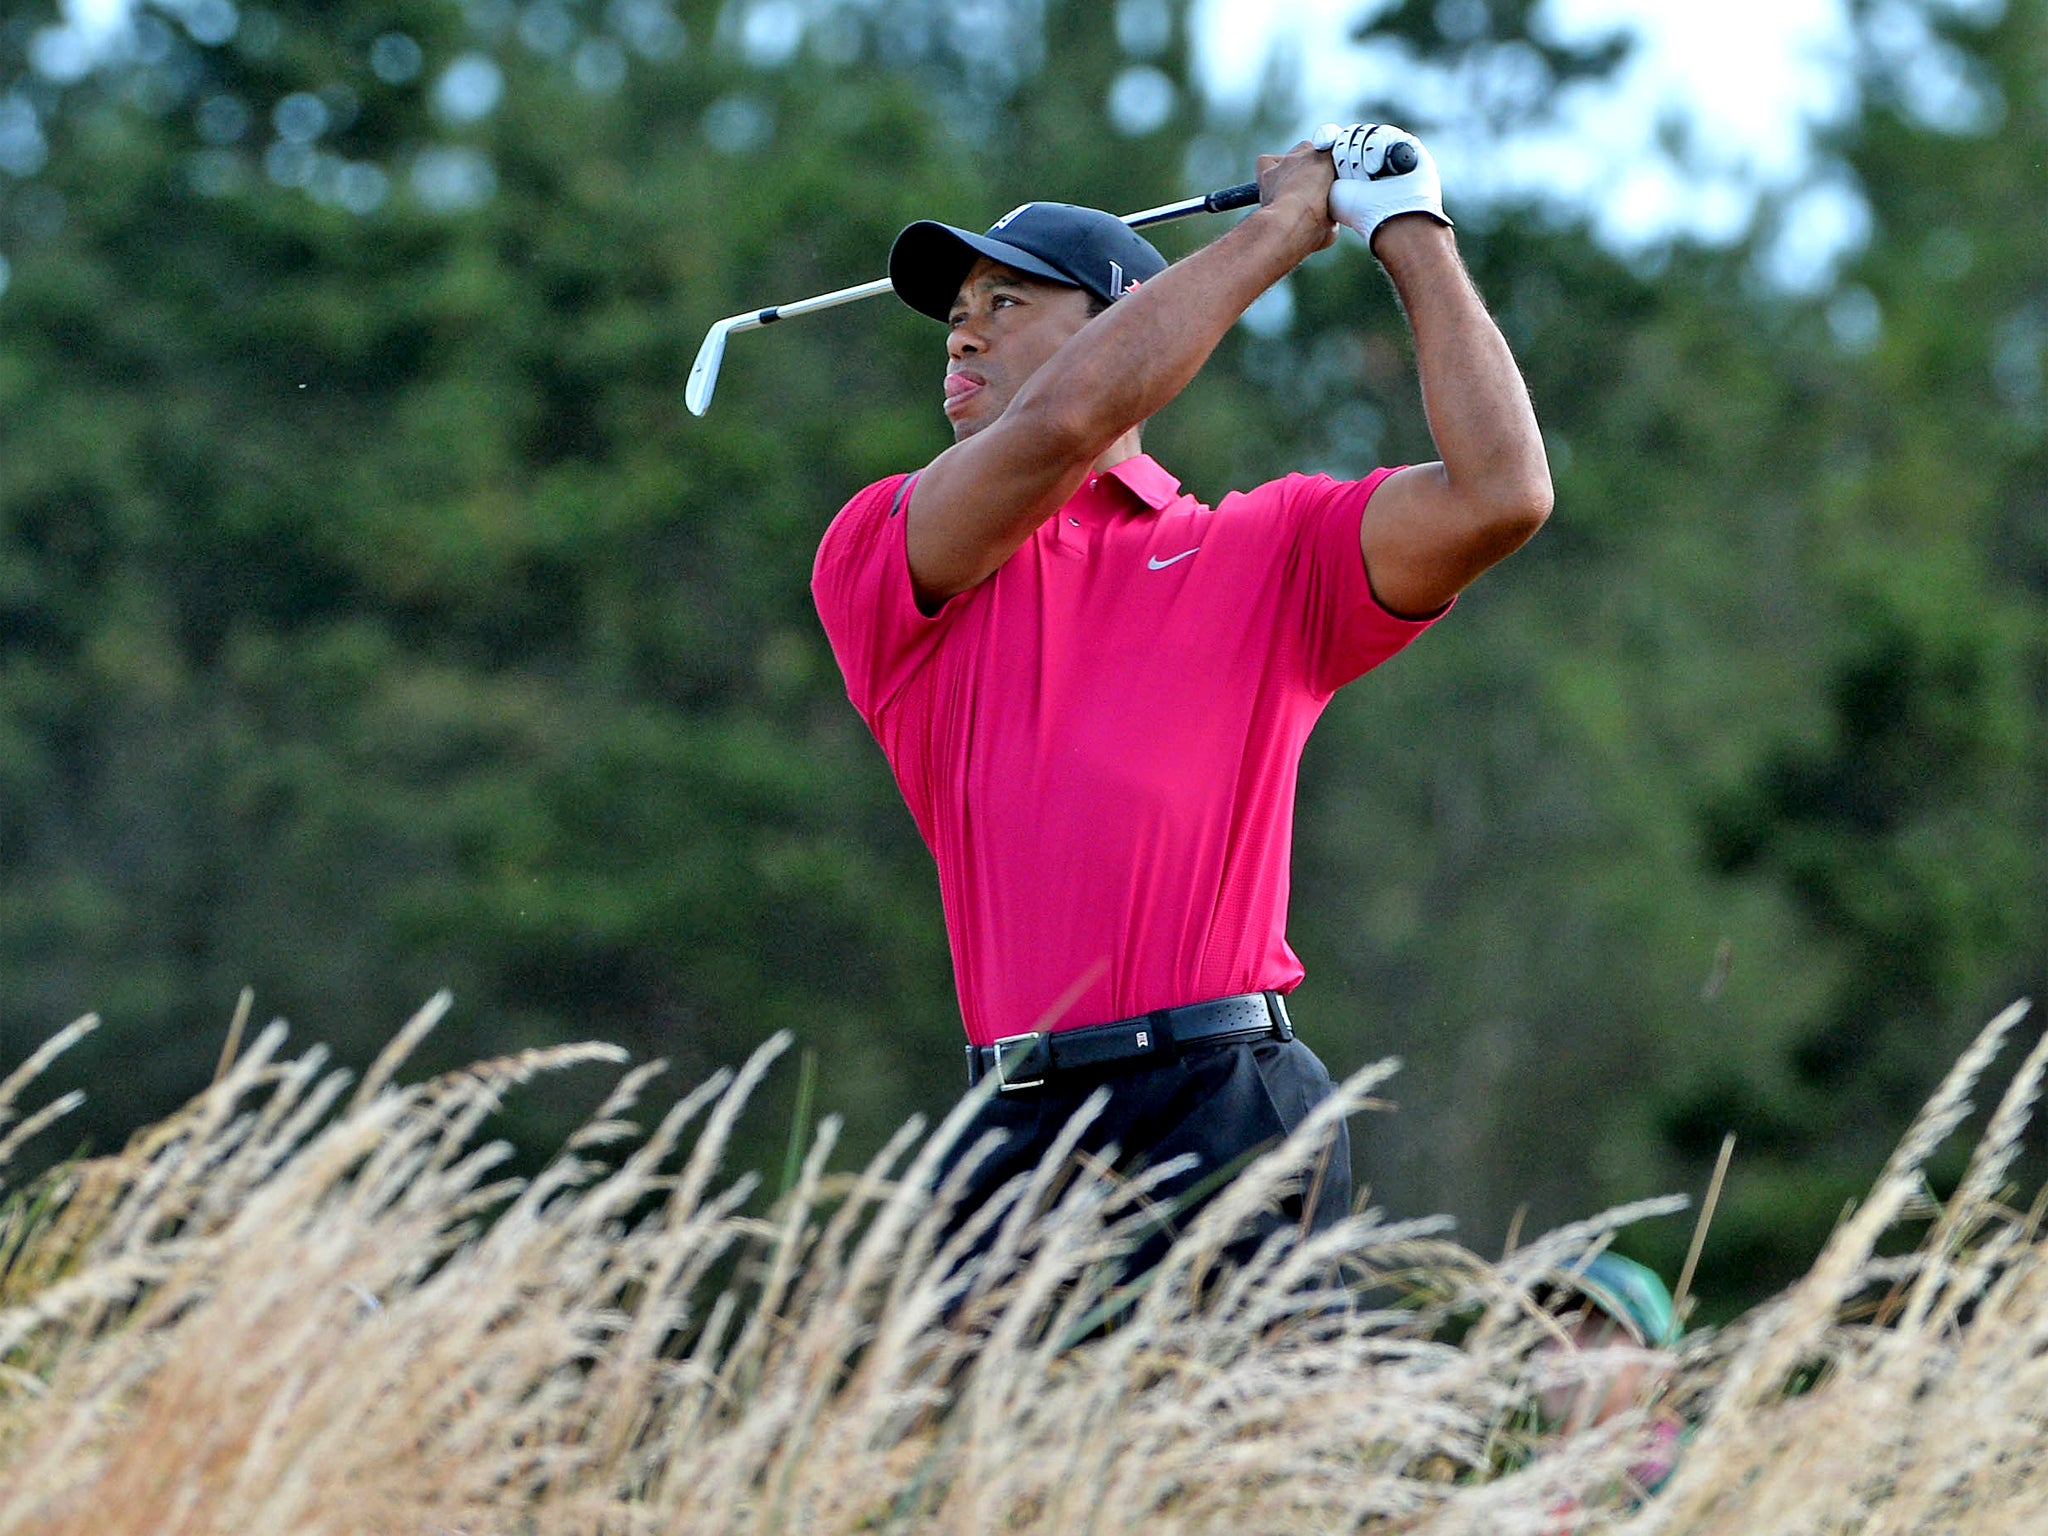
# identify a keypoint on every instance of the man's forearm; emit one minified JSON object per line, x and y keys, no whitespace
{"x":1133,"y":360}
{"x":1478,"y":407}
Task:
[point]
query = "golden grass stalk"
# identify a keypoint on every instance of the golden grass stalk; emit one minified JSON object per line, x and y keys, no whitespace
{"x":289,"y":1309}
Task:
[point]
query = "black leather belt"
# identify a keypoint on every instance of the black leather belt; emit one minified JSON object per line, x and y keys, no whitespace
{"x":1030,"y":1061}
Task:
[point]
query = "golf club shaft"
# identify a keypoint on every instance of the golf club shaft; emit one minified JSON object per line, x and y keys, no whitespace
{"x":816,"y":302}
{"x":1243,"y":195}
{"x":704,"y":373}
{"x":1240,"y":196}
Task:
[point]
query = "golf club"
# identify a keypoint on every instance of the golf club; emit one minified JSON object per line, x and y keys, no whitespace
{"x":704,"y":372}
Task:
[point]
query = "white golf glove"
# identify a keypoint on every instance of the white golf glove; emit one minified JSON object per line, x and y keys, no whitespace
{"x":1381,"y":171}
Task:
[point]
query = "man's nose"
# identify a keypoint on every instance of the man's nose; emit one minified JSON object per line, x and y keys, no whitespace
{"x":964,"y":340}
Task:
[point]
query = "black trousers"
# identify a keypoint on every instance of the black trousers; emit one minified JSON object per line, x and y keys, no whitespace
{"x":1221,"y":1103}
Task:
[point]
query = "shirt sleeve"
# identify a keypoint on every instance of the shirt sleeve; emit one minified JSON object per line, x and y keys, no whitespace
{"x":861,"y":585}
{"x":1346,"y":633}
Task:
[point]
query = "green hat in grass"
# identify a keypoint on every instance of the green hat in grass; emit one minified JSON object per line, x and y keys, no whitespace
{"x":1630,"y":1293}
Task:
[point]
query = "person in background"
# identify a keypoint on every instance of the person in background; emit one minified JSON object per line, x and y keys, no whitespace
{"x":1612,"y":1353}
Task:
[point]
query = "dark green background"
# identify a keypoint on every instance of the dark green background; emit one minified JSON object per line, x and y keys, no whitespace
{"x":373,"y":617}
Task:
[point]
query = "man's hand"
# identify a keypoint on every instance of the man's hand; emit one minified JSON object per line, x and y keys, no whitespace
{"x":1299,"y":183}
{"x":1382,"y":171}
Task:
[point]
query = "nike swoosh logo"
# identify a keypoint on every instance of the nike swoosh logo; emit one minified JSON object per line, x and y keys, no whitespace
{"x":1158,"y":564}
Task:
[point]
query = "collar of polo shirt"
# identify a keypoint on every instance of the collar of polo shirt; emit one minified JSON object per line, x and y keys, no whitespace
{"x":1142,"y":476}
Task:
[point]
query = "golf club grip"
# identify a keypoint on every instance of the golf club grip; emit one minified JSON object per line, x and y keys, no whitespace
{"x":1243,"y":195}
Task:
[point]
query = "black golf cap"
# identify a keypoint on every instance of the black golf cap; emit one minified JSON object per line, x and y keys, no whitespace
{"x":1082,"y":247}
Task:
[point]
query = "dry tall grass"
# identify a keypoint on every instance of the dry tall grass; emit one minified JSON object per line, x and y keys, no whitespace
{"x":279,"y":1312}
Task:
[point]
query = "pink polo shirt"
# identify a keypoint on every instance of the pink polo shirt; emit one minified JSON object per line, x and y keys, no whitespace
{"x":1100,"y":741}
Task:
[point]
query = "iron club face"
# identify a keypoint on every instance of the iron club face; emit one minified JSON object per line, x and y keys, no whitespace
{"x":704,"y":372}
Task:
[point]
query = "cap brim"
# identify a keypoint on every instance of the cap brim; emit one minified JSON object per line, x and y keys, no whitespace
{"x":1627,"y":1292}
{"x":930,"y":261}
{"x":1615,"y":1305}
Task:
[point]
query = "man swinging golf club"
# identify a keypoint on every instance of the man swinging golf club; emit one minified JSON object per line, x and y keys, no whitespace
{"x":1094,"y":690}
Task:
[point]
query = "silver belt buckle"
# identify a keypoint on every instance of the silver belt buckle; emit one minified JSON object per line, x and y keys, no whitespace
{"x":1003,"y":1083}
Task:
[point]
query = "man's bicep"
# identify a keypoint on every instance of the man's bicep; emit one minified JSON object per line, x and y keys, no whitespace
{"x":1347,"y":629}
{"x":1424,"y":542}
{"x":975,"y":504}
{"x":1414,"y":560}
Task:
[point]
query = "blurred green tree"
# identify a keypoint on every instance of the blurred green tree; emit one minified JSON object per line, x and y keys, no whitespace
{"x":374,"y":614}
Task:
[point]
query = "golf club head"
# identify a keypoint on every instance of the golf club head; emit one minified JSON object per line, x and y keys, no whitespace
{"x":704,"y":372}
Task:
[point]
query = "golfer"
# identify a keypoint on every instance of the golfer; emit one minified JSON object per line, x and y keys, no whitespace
{"x":1094,"y":690}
